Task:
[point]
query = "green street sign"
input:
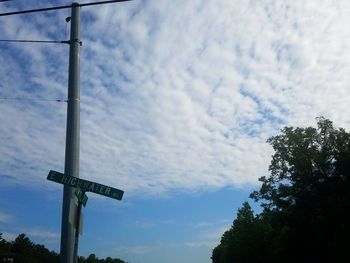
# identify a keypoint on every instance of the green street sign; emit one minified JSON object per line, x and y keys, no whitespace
{"x":85,"y":185}
{"x":80,"y":194}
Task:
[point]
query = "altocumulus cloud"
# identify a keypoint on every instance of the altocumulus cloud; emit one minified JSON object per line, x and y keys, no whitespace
{"x":5,"y":218}
{"x":174,"y":94}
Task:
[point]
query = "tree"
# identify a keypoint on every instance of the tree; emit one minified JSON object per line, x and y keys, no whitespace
{"x":245,"y":240}
{"x":42,"y":254}
{"x":305,"y":200}
{"x":91,"y":259}
{"x":23,"y":250}
{"x":5,"y":249}
{"x":307,"y":191}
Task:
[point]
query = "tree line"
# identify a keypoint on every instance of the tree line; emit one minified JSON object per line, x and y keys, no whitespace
{"x":23,"y":250}
{"x":305,"y":202}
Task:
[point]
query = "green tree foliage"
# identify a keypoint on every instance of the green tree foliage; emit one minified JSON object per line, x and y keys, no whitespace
{"x":93,"y":259}
{"x":244,"y":241}
{"x":5,"y":249}
{"x":305,"y":200}
{"x":23,"y":250}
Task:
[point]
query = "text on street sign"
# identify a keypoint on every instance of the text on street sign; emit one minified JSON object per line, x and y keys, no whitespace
{"x":82,"y":197}
{"x":85,"y":185}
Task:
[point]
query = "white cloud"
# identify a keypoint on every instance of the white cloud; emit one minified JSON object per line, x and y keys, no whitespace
{"x":174,"y":95}
{"x":208,"y":233}
{"x":41,"y":233}
{"x":207,"y":244}
{"x":5,"y":218}
{"x":146,"y":224}
{"x":35,"y":234}
{"x":9,"y":236}
{"x":138,"y":249}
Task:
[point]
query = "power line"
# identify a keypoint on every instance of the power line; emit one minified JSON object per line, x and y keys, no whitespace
{"x":33,"y":99}
{"x":60,"y":7}
{"x":34,"y":41}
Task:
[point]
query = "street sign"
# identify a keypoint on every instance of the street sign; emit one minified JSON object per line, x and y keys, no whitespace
{"x":80,"y":194}
{"x":85,"y":185}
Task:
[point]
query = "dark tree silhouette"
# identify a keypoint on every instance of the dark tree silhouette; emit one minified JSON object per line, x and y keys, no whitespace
{"x":23,"y":250}
{"x":5,"y":250}
{"x":305,"y":200}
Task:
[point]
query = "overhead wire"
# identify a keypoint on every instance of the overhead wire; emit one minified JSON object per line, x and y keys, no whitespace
{"x":34,"y":41}
{"x":47,"y":41}
{"x":34,"y":99}
{"x":61,"y":7}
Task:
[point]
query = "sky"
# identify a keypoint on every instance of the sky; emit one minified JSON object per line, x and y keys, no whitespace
{"x":178,"y":99}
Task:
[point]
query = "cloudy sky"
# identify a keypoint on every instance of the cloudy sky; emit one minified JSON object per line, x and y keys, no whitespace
{"x":177,"y":101}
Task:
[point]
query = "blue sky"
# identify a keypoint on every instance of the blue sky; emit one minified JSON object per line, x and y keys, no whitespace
{"x":177,"y":101}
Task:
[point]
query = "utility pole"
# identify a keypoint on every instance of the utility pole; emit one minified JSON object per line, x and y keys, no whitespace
{"x":70,"y":206}
{"x":71,"y":209}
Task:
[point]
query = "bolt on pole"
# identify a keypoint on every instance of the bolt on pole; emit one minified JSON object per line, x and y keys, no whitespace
{"x":70,"y":206}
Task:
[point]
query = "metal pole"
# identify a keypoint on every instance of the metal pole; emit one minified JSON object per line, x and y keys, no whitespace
{"x":69,"y":206}
{"x":75,"y":257}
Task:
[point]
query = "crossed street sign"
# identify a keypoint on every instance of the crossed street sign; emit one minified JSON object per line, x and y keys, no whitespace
{"x":85,"y":186}
{"x":80,"y":194}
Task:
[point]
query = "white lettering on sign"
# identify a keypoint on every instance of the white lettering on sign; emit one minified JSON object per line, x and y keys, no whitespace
{"x":85,"y":185}
{"x":51,"y":176}
{"x":92,"y":187}
{"x":69,"y":180}
{"x":79,"y":184}
{"x":64,"y":179}
{"x":73,"y":181}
